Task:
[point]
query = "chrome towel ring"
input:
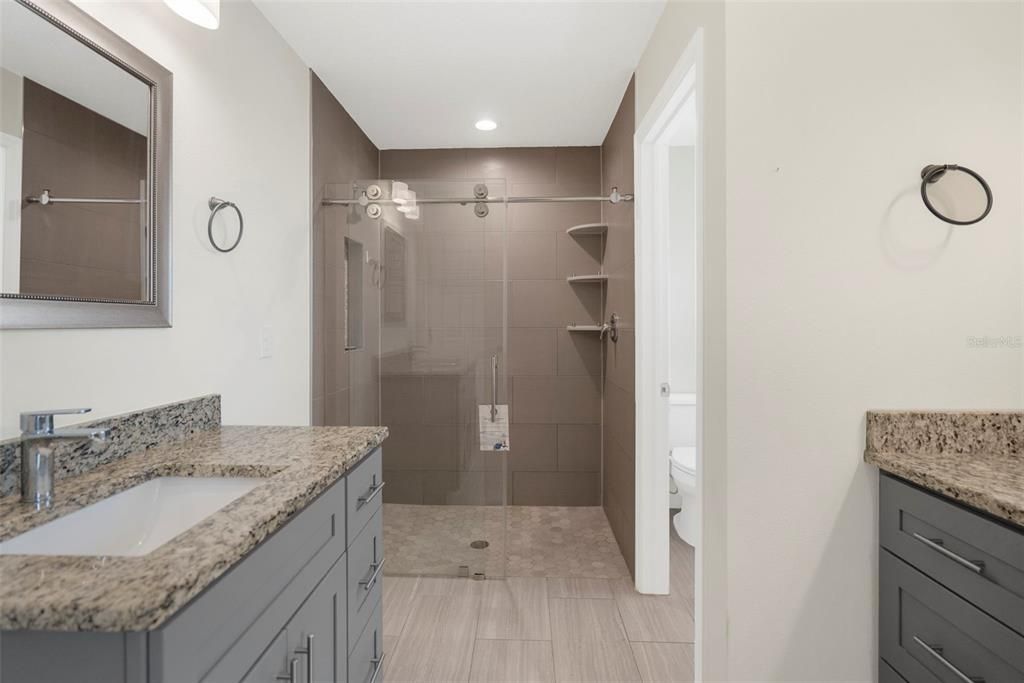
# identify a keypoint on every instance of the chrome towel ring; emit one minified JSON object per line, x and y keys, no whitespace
{"x":963,"y":204}
{"x":216,"y":205}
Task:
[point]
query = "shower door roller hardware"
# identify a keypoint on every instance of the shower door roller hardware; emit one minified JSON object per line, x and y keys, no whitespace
{"x":374,"y":211}
{"x":480,"y":191}
{"x":666,"y":389}
{"x":481,"y":210}
{"x":374,"y":192}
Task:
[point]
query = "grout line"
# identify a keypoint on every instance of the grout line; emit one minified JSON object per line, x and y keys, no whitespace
{"x":476,"y":631}
{"x":629,"y":643}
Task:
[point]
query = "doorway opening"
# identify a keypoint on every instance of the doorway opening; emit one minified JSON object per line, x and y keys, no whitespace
{"x":671,"y":479}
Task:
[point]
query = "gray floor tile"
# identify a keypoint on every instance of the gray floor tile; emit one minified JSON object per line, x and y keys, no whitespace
{"x":512,"y":661}
{"x":515,"y":609}
{"x":579,"y":619}
{"x":595,"y":662}
{"x":653,"y":618}
{"x":579,"y":588}
{"x":664,"y":662}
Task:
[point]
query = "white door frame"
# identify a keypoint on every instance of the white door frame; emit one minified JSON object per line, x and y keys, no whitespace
{"x":653,"y":341}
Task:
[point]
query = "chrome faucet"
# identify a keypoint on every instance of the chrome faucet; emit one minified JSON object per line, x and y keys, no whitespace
{"x":37,"y":446}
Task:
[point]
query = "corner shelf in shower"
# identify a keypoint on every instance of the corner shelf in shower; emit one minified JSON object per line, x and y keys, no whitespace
{"x":594,"y":329}
{"x":598,"y":278}
{"x":587,"y":230}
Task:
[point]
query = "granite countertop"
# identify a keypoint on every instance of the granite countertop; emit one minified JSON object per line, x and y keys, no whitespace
{"x":976,"y":458}
{"x":86,"y":593}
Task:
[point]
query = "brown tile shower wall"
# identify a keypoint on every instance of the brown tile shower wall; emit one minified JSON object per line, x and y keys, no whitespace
{"x":92,"y":251}
{"x":554,"y":377}
{"x":619,"y":404}
{"x":341,"y":153}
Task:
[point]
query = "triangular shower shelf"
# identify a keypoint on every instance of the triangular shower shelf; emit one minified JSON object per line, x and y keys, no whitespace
{"x":583,"y":279}
{"x":587,"y":229}
{"x":585,"y":328}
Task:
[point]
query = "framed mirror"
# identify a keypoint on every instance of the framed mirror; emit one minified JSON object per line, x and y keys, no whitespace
{"x":85,"y":167}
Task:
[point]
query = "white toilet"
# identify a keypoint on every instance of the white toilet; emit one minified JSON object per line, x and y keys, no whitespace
{"x":684,"y":476}
{"x":683,"y":464}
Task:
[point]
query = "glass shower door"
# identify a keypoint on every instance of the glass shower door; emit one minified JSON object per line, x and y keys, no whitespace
{"x":439,"y":275}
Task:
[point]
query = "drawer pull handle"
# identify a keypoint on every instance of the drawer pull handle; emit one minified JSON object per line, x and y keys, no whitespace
{"x":936,"y":545}
{"x":308,"y":651}
{"x":370,"y":494}
{"x":378,"y":663}
{"x":936,"y":652}
{"x":370,"y":580}
{"x":293,"y":672}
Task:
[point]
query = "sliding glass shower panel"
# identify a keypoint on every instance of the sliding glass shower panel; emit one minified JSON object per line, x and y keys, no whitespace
{"x":440,"y":288}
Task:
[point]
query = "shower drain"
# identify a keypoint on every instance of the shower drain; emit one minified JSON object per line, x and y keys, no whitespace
{"x":479,"y":545}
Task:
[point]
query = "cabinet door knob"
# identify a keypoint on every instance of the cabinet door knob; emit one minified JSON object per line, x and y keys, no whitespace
{"x":308,"y":652}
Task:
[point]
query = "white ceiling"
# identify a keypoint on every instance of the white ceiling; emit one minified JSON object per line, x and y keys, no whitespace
{"x":420,"y":74}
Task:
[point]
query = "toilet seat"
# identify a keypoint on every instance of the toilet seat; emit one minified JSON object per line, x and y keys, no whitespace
{"x":684,"y":458}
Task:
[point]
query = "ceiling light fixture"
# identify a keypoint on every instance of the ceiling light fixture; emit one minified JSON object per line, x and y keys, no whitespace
{"x":205,"y":13}
{"x":486,"y":124}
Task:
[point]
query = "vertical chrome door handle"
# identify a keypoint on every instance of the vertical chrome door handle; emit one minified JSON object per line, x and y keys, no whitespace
{"x":293,"y":671}
{"x":936,"y":545}
{"x":377,"y":661}
{"x":308,"y":651}
{"x":494,"y":388}
{"x":375,"y":570}
{"x":936,"y":652}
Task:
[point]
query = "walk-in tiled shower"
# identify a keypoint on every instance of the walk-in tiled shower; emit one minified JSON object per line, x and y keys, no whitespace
{"x":438,"y":309}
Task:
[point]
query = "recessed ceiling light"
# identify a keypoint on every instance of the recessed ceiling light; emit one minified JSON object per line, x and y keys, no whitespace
{"x":486,"y":124}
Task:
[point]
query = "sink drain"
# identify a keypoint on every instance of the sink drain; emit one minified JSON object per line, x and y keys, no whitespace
{"x":479,"y":545}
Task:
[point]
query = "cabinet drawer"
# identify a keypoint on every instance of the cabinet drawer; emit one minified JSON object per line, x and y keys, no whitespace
{"x":365,"y":575}
{"x":367,"y":657}
{"x":929,"y":634}
{"x":365,"y":484}
{"x":976,"y":557}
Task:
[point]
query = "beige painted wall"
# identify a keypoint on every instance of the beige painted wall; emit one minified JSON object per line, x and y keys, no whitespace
{"x":241,"y":131}
{"x":839,"y":292}
{"x":10,"y":103}
{"x":845,"y":295}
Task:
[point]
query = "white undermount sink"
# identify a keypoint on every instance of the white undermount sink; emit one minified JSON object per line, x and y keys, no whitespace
{"x":133,"y":522}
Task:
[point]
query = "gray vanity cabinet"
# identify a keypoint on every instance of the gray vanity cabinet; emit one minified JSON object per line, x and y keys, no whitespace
{"x":951,"y":582}
{"x":289,"y":599}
